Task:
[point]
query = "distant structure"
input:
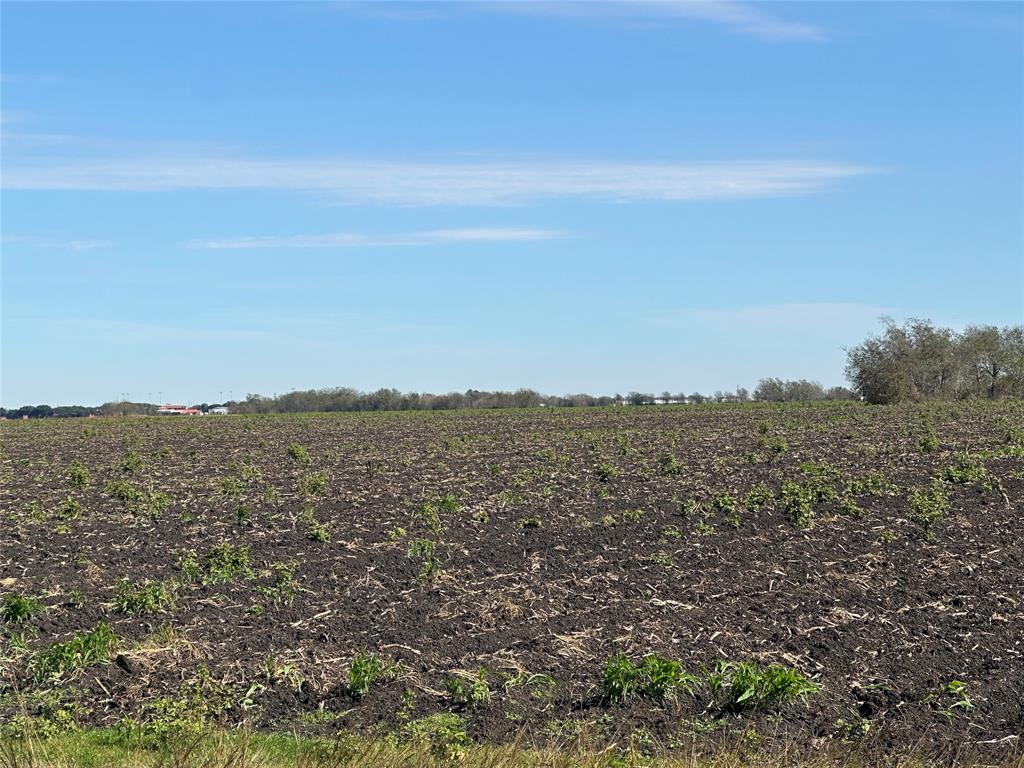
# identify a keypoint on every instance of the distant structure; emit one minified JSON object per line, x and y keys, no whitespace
{"x":177,"y":410}
{"x":219,"y":410}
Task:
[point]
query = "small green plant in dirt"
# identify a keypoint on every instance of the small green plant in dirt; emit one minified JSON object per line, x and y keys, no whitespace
{"x":620,"y":679}
{"x":654,"y":676}
{"x":633,"y":515}
{"x":222,"y":563}
{"x":78,"y":475}
{"x":444,"y":734}
{"x":283,"y":584}
{"x":872,"y":483}
{"x":798,"y":501}
{"x":315,"y":530}
{"x":776,"y":445}
{"x":230,"y":487}
{"x":423,"y":549}
{"x":277,"y":672}
{"x":853,"y":730}
{"x":147,"y":597}
{"x":668,"y":464}
{"x":951,"y":699}
{"x":746,"y":685}
{"x":540,"y":685}
{"x":430,"y":511}
{"x":70,"y":509}
{"x":312,"y":483}
{"x":470,"y":690}
{"x":63,"y":659}
{"x":928,"y":506}
{"x":662,"y":677}
{"x":17,"y":609}
{"x":299,"y":454}
{"x":849,"y":506}
{"x":366,"y":670}
{"x":124,"y":491}
{"x":131,"y":463}
{"x":605,"y":471}
{"x":929,"y":441}
{"x":729,"y":507}
{"x":531,"y":521}
{"x":671,"y":532}
{"x":966,"y":469}
{"x":758,"y":497}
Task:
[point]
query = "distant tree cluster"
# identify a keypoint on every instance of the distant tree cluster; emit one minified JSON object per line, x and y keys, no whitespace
{"x":798,"y":390}
{"x":45,"y":412}
{"x":918,"y":361}
{"x":348,"y":399}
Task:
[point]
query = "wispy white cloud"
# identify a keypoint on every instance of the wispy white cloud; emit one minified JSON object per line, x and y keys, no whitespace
{"x":741,"y":18}
{"x":358,"y":240}
{"x":63,"y":243}
{"x":496,"y":183}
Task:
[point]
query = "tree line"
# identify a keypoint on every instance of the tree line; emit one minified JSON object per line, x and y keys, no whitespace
{"x":909,"y":362}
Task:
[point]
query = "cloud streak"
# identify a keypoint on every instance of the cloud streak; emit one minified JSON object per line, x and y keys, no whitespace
{"x":496,"y":183}
{"x":68,"y":244}
{"x":358,"y":240}
{"x":740,"y":18}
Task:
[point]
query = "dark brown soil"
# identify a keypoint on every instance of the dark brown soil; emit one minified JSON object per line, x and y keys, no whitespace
{"x":574,"y":538}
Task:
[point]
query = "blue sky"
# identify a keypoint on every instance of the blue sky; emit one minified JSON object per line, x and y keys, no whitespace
{"x":202,"y":200}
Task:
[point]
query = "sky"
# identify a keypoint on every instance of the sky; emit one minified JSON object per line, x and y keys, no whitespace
{"x":205,"y":200}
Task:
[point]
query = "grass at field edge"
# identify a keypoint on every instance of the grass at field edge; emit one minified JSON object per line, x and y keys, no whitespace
{"x":101,"y":748}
